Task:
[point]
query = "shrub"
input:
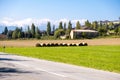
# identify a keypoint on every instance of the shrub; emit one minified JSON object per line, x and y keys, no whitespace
{"x":59,"y":33}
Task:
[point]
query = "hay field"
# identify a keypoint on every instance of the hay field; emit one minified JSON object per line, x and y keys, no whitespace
{"x":31,"y":43}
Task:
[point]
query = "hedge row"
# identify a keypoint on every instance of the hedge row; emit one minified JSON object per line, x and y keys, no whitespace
{"x":59,"y":44}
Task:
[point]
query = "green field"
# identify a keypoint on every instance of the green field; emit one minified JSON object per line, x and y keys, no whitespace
{"x":99,"y":57}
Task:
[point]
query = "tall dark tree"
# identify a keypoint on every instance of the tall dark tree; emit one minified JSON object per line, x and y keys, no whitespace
{"x":87,"y":23}
{"x":64,"y":27}
{"x":37,"y":33}
{"x":69,"y":26}
{"x":9,"y":34}
{"x":5,"y":31}
{"x":14,"y":35}
{"x":33,"y":30}
{"x":19,"y":34}
{"x":48,"y":28}
{"x":29,"y":35}
{"x":21,"y":29}
{"x":53,"y":29}
{"x":69,"y":29}
{"x":95,"y":25}
{"x":60,"y":25}
{"x":78,"y":26}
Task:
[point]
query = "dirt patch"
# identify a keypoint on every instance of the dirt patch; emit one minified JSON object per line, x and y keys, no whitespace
{"x":21,"y":43}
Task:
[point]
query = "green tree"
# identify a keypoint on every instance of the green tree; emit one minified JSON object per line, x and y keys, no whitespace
{"x":5,"y":31}
{"x":28,"y":32}
{"x":60,"y":25}
{"x":19,"y":34}
{"x":69,"y":29}
{"x":37,"y":33}
{"x":95,"y":25}
{"x":87,"y":23}
{"x":48,"y":28}
{"x":102,"y":30}
{"x":33,"y":30}
{"x":64,"y":27}
{"x":59,"y":33}
{"x":53,"y":29}
{"x":111,"y":25}
{"x":9,"y":34}
{"x":78,"y":26}
{"x":14,"y":35}
{"x":117,"y":30}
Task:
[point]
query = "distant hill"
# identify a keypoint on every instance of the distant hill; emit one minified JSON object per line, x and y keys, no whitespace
{"x":42,"y":27}
{"x":9,"y":28}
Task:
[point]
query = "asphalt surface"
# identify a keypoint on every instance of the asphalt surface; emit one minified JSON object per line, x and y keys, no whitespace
{"x":13,"y":67}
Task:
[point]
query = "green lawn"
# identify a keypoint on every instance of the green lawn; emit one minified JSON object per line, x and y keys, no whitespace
{"x":99,"y":57}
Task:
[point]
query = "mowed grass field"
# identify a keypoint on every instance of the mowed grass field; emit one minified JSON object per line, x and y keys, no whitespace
{"x":98,"y":57}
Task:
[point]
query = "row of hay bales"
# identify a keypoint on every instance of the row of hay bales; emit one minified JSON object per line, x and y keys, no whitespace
{"x":60,"y":44}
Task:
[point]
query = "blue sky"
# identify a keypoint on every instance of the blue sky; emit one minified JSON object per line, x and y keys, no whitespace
{"x":40,"y":11}
{"x":58,"y":9}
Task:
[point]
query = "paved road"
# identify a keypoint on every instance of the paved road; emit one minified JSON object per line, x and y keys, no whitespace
{"x":14,"y":67}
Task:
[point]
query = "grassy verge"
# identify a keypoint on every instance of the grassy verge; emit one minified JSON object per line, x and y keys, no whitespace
{"x":99,"y":57}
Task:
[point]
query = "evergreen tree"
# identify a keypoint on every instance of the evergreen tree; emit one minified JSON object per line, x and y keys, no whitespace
{"x":37,"y":33}
{"x":69,"y":29}
{"x":64,"y":26}
{"x":33,"y":30}
{"x":87,"y":23}
{"x":53,"y":29}
{"x":29,"y":32}
{"x":69,"y":26}
{"x":9,"y":34}
{"x":48,"y":28}
{"x":14,"y":35}
{"x":19,"y":34}
{"x":95,"y":25}
{"x":60,"y":25}
{"x":5,"y":31}
{"x":78,"y":26}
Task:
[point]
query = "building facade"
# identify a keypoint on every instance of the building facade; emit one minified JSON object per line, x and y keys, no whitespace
{"x":78,"y":34}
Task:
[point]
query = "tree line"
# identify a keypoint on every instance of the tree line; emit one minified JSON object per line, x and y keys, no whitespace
{"x":62,"y":30}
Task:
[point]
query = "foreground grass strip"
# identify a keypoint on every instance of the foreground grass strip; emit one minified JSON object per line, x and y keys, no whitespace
{"x":99,"y":57}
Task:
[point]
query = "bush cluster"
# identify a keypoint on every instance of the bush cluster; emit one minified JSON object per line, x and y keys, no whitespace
{"x":60,"y":44}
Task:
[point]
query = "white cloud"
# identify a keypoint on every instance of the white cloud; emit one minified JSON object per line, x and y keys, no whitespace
{"x":38,"y":22}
